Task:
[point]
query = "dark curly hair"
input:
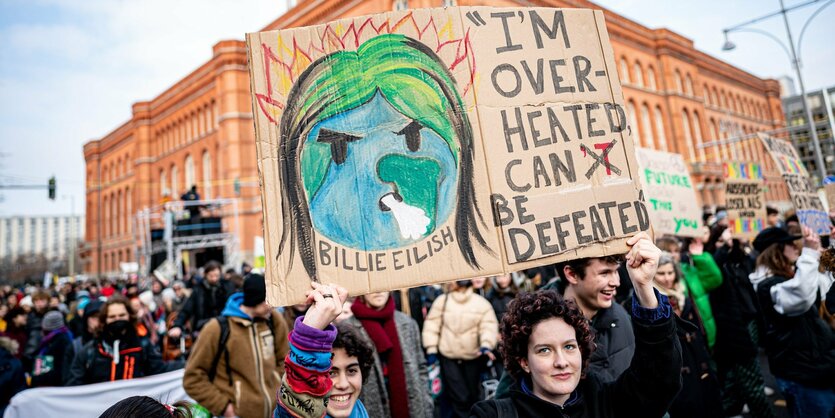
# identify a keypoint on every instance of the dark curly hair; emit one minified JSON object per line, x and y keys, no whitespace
{"x":146,"y":407}
{"x":349,"y":339}
{"x":529,"y":309}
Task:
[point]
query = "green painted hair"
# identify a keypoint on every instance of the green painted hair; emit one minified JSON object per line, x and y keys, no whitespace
{"x":414,"y":80}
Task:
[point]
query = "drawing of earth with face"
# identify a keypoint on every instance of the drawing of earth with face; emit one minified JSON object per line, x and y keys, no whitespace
{"x":389,"y":180}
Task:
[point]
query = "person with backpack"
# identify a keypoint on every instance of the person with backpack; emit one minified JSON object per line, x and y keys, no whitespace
{"x":117,"y":353}
{"x":236,"y":362}
{"x":50,"y":369}
{"x":460,"y":333}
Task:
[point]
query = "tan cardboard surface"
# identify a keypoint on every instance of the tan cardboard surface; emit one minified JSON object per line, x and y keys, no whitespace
{"x":431,"y":145}
{"x":802,"y":190}
{"x":671,"y":199}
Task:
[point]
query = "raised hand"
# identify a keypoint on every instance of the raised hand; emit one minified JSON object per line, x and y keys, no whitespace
{"x":327,"y":303}
{"x":642,"y":263}
{"x":811,"y":239}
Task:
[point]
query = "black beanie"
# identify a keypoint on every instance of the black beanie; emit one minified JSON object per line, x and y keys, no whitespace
{"x":255,"y":290}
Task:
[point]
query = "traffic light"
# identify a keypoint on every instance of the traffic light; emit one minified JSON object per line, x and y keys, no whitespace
{"x":51,"y":188}
{"x":237,"y":186}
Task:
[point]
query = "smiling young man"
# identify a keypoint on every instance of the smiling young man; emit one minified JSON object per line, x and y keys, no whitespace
{"x":592,"y":283}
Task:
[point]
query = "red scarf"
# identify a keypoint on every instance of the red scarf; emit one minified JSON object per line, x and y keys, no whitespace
{"x":381,"y":327}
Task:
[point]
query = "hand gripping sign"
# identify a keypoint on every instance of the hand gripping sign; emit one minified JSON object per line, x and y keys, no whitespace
{"x":423,"y":146}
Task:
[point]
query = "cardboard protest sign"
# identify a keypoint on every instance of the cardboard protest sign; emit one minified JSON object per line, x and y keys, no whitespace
{"x":802,"y":190}
{"x":422,"y":146}
{"x":745,"y":199}
{"x":671,"y":199}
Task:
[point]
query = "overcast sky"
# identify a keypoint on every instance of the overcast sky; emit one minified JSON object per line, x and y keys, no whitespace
{"x":70,"y":70}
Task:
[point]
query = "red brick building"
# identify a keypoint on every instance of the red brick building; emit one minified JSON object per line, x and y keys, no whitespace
{"x":200,"y":131}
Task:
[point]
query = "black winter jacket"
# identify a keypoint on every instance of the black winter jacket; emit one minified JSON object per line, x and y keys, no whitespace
{"x":645,"y":389}
{"x":205,"y":303}
{"x":800,"y":348}
{"x":56,"y":348}
{"x":734,"y":307}
{"x":137,"y":358}
{"x":615,"y":346}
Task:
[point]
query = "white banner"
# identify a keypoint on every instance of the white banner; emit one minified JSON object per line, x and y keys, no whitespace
{"x":91,"y":400}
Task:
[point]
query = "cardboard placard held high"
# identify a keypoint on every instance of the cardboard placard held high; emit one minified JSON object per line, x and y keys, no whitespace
{"x":423,"y":146}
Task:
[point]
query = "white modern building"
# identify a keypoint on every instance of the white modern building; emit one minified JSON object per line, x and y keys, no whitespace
{"x":48,"y":235}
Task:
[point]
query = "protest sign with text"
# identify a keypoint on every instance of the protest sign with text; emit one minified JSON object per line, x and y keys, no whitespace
{"x":422,"y":146}
{"x":671,"y":199}
{"x":802,"y":190}
{"x":745,"y":199}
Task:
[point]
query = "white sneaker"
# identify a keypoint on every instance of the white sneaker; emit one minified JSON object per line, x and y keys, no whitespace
{"x":768,"y":391}
{"x":745,"y":409}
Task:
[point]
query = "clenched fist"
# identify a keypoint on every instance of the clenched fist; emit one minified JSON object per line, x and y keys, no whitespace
{"x":642,"y":263}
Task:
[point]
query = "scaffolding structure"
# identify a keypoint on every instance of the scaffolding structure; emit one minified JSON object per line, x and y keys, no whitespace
{"x":179,"y":227}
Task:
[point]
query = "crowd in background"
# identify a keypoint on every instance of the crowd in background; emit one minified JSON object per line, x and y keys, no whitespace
{"x":437,"y":350}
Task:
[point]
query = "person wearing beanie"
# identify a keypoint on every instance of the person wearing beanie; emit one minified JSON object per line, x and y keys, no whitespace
{"x":90,"y":321}
{"x":247,"y":363}
{"x":789,"y":287}
{"x":50,"y":367}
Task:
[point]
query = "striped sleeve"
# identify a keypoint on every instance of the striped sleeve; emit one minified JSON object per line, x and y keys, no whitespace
{"x":306,"y":381}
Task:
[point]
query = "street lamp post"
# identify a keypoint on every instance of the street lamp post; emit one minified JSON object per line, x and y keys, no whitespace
{"x":795,"y":64}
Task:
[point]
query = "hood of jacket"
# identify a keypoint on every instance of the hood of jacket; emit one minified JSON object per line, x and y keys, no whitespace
{"x":760,"y":274}
{"x":233,"y":307}
{"x":462,"y":297}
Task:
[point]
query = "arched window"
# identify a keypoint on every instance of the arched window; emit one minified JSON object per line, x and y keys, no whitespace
{"x":175,"y":189}
{"x":163,"y":184}
{"x":114,"y":213}
{"x":639,"y":74}
{"x":633,"y":122}
{"x":659,"y":129}
{"x":714,"y":97}
{"x":128,"y":209}
{"x":714,"y":132}
{"x":106,"y":223}
{"x":688,"y":134}
{"x":207,"y":175}
{"x":647,"y":124}
{"x":688,"y":86}
{"x":679,"y":82}
{"x":624,"y":71}
{"x":651,"y":79}
{"x":189,"y":164}
{"x":706,"y":94}
{"x":697,"y":131}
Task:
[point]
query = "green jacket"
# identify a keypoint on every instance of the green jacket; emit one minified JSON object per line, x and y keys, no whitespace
{"x":701,"y":276}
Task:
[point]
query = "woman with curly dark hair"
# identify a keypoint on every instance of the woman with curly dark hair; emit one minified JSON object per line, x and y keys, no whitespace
{"x":547,"y":343}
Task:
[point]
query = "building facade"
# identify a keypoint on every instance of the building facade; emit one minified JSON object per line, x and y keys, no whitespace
{"x":200,"y":131}
{"x":51,"y":236}
{"x":822,"y":105}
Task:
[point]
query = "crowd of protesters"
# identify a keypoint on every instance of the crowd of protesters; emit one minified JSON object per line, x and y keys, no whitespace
{"x":673,"y":328}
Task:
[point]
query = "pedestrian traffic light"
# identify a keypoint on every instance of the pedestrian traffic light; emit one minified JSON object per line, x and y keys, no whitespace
{"x":51,"y":188}
{"x":237,"y":186}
